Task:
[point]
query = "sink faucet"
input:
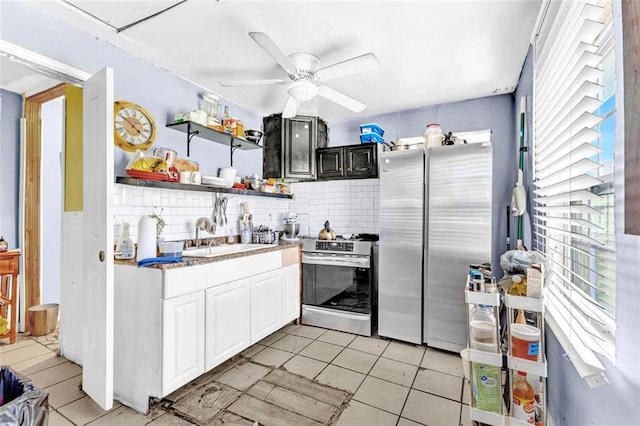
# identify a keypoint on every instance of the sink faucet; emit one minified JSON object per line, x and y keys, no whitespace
{"x":205,"y":224}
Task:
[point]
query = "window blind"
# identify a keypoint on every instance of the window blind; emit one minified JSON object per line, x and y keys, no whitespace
{"x":572,"y":226}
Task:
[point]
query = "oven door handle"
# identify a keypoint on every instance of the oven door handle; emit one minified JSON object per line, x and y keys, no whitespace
{"x":357,"y":262}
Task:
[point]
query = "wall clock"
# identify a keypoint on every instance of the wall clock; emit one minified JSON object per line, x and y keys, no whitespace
{"x":134,"y":127}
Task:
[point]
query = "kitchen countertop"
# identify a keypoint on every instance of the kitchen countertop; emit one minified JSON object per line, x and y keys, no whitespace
{"x":190,"y":261}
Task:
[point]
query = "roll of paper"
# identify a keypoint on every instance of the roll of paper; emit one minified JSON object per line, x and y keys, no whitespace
{"x":146,"y":238}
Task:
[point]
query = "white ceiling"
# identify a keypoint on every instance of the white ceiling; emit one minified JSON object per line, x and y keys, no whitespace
{"x":430,"y":52}
{"x":20,"y":78}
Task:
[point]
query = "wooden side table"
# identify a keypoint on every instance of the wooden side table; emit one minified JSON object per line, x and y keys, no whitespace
{"x":9,"y":269}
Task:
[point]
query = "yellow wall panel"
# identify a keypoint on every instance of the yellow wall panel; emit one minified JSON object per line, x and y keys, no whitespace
{"x":73,"y":149}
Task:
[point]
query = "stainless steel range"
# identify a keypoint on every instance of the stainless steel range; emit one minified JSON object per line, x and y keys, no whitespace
{"x":339,"y":284}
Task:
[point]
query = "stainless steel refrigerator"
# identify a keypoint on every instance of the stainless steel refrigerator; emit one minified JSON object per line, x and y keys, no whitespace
{"x":401,"y":248}
{"x":435,"y":220}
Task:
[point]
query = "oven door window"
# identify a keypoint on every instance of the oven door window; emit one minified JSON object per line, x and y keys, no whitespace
{"x":338,"y":287}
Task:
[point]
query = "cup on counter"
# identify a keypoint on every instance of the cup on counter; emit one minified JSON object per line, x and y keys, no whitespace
{"x":185,"y":177}
{"x":196,"y":178}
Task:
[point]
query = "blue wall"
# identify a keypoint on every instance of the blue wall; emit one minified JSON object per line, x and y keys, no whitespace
{"x":163,"y":94}
{"x":10,"y":113}
{"x":496,"y":113}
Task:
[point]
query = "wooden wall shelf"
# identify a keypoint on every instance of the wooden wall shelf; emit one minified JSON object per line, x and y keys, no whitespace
{"x":202,"y":188}
{"x":194,"y":129}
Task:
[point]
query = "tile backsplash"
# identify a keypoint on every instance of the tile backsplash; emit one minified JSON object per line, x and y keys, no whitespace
{"x":351,"y":206}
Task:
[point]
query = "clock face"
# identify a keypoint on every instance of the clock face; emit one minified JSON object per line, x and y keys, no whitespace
{"x":133,"y":127}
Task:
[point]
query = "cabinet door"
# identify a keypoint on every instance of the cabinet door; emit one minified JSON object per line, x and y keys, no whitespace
{"x":300,"y":147}
{"x":182,"y":340}
{"x":228,"y":326}
{"x":290,"y":276}
{"x":272,"y":146}
{"x":329,"y":163}
{"x":266,"y":305}
{"x":361,"y":161}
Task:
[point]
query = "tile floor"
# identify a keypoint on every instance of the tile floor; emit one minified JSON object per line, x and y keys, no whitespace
{"x":298,"y":375}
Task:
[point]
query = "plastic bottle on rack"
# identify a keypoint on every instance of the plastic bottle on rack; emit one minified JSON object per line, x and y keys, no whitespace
{"x":523,"y":399}
{"x":483,"y":329}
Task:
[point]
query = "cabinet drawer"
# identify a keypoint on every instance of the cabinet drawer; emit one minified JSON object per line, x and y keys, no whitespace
{"x":242,"y":267}
{"x":184,"y":280}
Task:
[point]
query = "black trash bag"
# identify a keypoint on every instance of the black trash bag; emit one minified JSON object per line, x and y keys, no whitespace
{"x":21,"y":403}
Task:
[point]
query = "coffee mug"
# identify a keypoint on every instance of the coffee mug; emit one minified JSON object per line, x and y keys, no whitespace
{"x":185,"y":177}
{"x":196,"y":178}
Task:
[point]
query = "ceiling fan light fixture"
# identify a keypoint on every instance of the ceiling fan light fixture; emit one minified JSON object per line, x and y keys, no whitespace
{"x":302,"y":90}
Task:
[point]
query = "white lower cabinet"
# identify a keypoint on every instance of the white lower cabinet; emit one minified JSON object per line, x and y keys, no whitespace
{"x":266,"y":305}
{"x":227,"y":321}
{"x":182,"y":340}
{"x":290,"y":276}
{"x":173,"y":325}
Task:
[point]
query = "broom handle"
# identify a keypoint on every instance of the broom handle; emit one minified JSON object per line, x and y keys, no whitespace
{"x":523,"y":105}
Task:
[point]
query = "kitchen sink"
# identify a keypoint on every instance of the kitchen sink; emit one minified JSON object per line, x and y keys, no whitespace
{"x":222,"y":249}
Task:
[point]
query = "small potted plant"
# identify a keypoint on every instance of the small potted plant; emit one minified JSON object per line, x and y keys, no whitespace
{"x":160,"y":223}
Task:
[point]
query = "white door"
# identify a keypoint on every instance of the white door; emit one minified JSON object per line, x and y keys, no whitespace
{"x":266,"y":305}
{"x":97,"y":350}
{"x":228,"y":326}
{"x":182,"y":340}
{"x":291,"y":287}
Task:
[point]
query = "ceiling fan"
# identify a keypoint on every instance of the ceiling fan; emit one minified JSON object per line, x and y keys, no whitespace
{"x":303,"y":69}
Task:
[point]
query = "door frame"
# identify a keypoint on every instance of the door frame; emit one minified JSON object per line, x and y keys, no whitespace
{"x":29,"y":218}
{"x":33,"y":192}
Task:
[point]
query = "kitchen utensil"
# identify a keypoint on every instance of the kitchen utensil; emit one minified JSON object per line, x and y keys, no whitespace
{"x":167,"y":154}
{"x":291,"y":231}
{"x":253,"y":135}
{"x":210,"y":104}
{"x":228,"y":173}
{"x":216,"y":182}
{"x":408,"y":143}
{"x":185,"y":177}
{"x":256,"y":182}
{"x":327,"y":233}
{"x":171,"y":248}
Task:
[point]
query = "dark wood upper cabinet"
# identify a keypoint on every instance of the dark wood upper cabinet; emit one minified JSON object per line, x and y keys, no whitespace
{"x":290,"y":146}
{"x":348,"y":162}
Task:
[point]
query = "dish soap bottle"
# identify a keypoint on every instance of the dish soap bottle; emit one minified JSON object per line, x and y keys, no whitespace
{"x":124,"y":246}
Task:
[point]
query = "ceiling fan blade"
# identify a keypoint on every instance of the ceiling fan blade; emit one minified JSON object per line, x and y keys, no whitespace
{"x":341,"y":99}
{"x":365,"y":62}
{"x":291,"y":108}
{"x":274,"y":51}
{"x":265,"y":82}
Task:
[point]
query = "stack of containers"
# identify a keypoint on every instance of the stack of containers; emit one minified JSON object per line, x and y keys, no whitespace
{"x":483,"y":356}
{"x":525,"y":359}
{"x":371,"y":132}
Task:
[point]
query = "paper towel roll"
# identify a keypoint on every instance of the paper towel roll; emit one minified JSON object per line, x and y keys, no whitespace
{"x":146,"y":238}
